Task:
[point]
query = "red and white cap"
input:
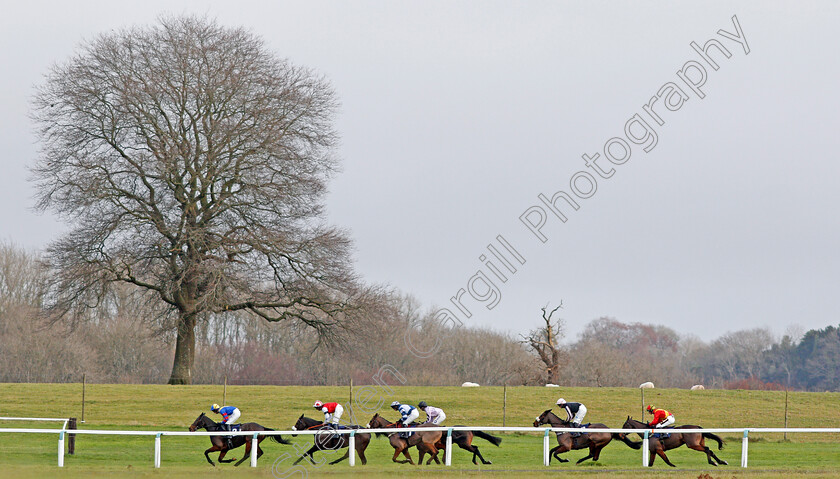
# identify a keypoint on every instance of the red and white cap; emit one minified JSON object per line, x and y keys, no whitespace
{"x":318,"y":405}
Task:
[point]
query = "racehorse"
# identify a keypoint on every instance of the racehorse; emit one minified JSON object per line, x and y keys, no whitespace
{"x":328,"y":440}
{"x":219,"y":443}
{"x":595,"y":441}
{"x":462,"y":439}
{"x":693,"y":440}
{"x":426,"y":441}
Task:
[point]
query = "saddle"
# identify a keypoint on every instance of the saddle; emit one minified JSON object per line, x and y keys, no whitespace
{"x":236,"y":427}
{"x":582,"y":426}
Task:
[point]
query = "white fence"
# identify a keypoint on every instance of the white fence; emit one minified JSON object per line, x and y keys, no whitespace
{"x":47,"y":419}
{"x":448,"y":452}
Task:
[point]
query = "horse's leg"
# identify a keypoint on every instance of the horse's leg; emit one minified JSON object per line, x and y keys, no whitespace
{"x":407,"y":456}
{"x":259,"y":449}
{"x":593,"y":452}
{"x":480,"y":457}
{"x":433,"y":454}
{"x":345,"y":456}
{"x":404,"y":450}
{"x":421,"y":451}
{"x":709,"y":452}
{"x":247,"y":453}
{"x":702,"y":448}
{"x":598,"y":450}
{"x":222,"y":455}
{"x":555,"y":452}
{"x":307,"y":455}
{"x":474,"y":451}
{"x":562,"y":446}
{"x":207,"y":455}
{"x":361,"y":452}
{"x":661,"y":453}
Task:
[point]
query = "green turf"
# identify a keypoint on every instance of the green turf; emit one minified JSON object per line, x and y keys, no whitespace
{"x":160,"y":407}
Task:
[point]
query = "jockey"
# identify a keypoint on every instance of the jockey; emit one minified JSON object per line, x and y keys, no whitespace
{"x":575,"y":412}
{"x":434,"y":415}
{"x":332,"y":412}
{"x":229,"y":415}
{"x":408,"y":412}
{"x":661,"y":419}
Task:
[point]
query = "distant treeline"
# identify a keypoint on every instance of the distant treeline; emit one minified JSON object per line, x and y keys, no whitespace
{"x":126,"y":340}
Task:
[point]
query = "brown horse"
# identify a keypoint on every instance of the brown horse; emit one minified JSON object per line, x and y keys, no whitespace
{"x":693,"y":440}
{"x":329,"y":441}
{"x":426,"y":441}
{"x":595,"y":441}
{"x":219,"y":443}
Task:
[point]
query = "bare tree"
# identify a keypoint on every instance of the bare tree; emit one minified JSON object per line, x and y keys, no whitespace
{"x":545,"y":341}
{"x":191,"y":163}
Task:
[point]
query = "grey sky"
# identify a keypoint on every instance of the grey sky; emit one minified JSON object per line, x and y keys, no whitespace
{"x":457,"y":115}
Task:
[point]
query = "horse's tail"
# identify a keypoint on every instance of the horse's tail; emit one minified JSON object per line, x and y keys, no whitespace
{"x":488,"y":437}
{"x":715,"y":437}
{"x":625,"y":440}
{"x":278,"y":437}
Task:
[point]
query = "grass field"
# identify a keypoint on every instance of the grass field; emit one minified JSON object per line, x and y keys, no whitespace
{"x":159,"y":407}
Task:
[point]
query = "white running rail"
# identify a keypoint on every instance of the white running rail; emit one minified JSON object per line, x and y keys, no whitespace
{"x":448,"y":452}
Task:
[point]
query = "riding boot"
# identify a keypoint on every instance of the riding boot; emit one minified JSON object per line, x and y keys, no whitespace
{"x":575,"y":425}
{"x":229,"y":439}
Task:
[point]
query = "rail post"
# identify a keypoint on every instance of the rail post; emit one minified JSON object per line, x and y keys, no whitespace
{"x":546,"y":459}
{"x":352,"y":447}
{"x":157,"y":451}
{"x":61,"y":449}
{"x":255,"y":445}
{"x":646,"y":449}
{"x":744,"y":445}
{"x":71,"y":438}
{"x":447,"y":457}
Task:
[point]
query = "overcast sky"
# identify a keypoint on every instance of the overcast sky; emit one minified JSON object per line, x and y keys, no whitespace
{"x":457,"y":115}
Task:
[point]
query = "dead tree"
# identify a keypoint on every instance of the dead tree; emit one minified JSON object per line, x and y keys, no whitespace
{"x":545,"y":342}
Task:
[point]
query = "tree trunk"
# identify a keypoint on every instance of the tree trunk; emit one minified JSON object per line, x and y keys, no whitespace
{"x":184,"y":350}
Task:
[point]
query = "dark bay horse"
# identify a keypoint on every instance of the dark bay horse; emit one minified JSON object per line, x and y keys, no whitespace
{"x":426,"y":441}
{"x":595,"y":441}
{"x":330,"y":441}
{"x":219,"y":443}
{"x":693,"y":440}
{"x":462,"y":439}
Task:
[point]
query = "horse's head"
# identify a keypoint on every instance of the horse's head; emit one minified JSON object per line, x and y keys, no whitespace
{"x":303,"y":423}
{"x":378,"y":421}
{"x":199,"y":423}
{"x":543,"y":418}
{"x":374,"y":418}
{"x":630,"y":423}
